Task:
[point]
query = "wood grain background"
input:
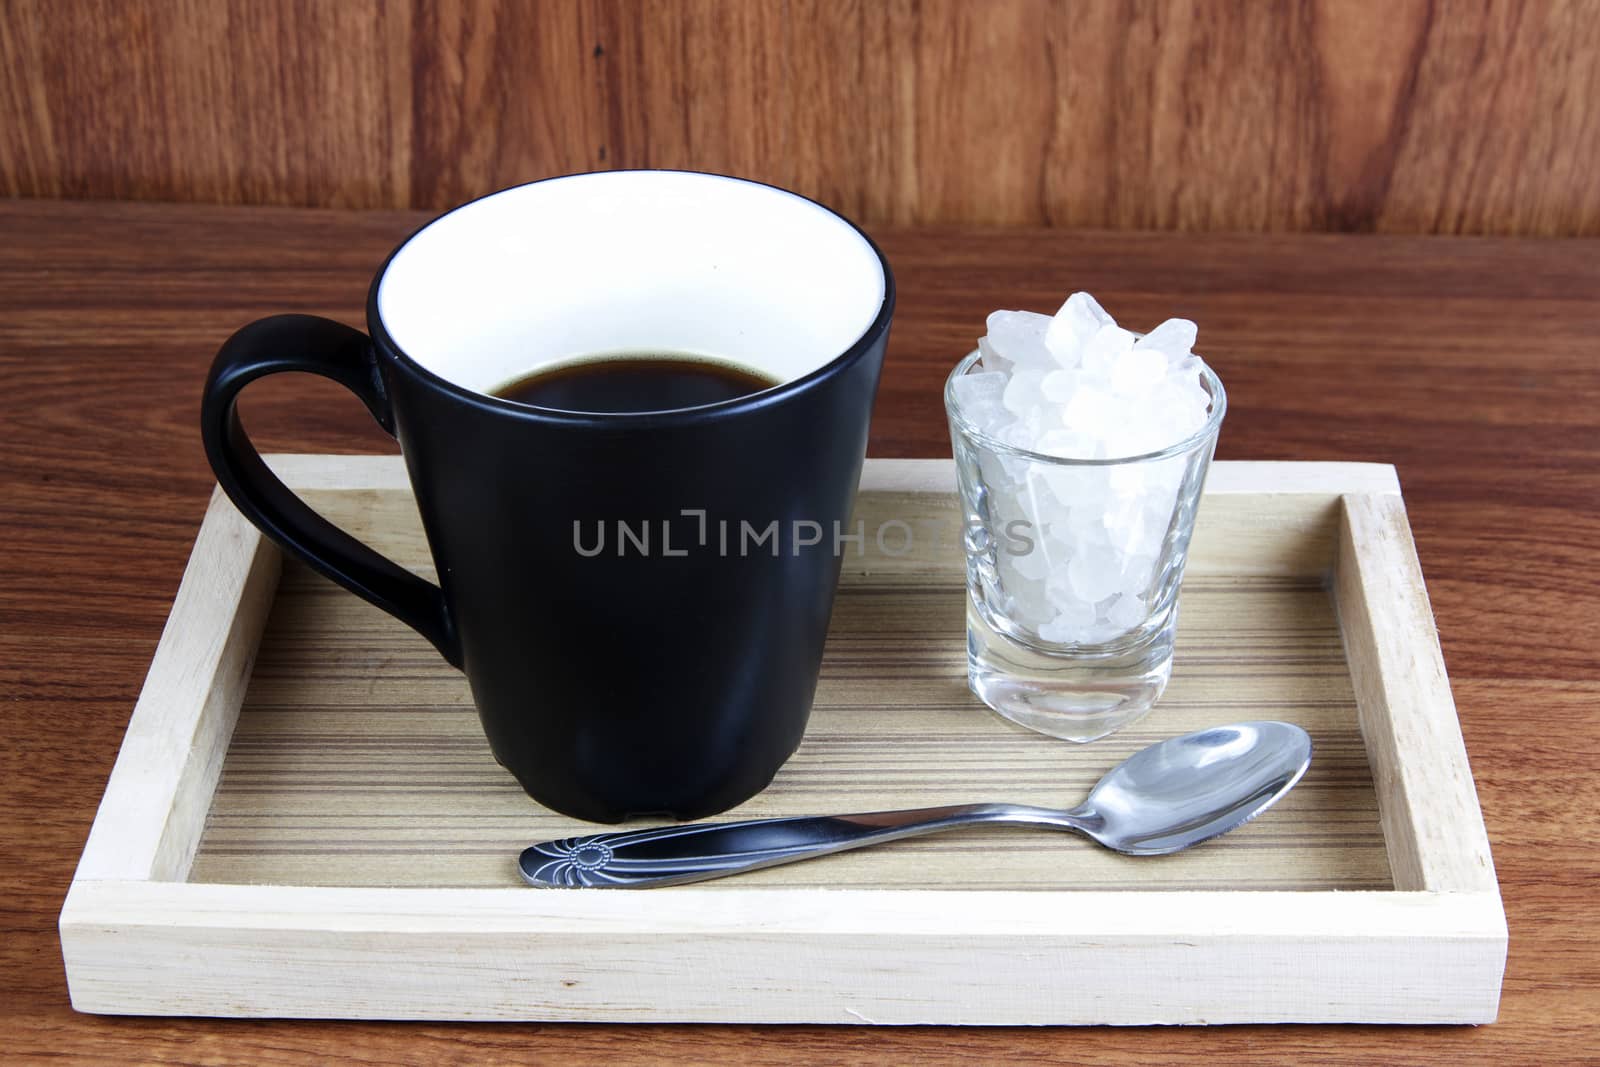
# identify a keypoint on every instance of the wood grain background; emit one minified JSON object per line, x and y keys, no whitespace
{"x":1403,"y":116}
{"x":1469,"y":363}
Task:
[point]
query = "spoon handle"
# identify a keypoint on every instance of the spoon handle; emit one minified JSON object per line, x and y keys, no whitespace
{"x":673,"y":855}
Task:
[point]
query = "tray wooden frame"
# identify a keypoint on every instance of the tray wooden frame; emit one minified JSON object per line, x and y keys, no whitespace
{"x":138,"y":938}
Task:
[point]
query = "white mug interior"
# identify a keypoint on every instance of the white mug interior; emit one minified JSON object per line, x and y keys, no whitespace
{"x":630,"y":261}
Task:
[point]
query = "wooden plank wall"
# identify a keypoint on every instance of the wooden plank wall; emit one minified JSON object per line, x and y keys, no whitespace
{"x":1449,"y":116}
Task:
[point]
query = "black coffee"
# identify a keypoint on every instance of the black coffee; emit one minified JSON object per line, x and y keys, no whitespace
{"x":633,"y":382}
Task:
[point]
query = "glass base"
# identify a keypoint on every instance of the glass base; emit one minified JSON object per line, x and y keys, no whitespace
{"x":1078,"y":695}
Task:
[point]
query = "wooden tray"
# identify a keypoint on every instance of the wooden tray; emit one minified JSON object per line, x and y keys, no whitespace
{"x":305,"y":820}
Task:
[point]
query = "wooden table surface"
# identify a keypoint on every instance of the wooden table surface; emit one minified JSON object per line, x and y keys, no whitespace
{"x":1473,"y":365}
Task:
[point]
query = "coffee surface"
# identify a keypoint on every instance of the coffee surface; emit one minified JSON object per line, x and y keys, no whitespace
{"x":634,"y":382}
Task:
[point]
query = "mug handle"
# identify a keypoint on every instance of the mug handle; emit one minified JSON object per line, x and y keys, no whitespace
{"x":316,"y":346}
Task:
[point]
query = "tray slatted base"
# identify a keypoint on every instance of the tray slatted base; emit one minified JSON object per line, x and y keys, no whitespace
{"x":358,"y":759}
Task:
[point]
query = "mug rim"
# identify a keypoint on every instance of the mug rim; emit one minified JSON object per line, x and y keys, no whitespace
{"x":764,"y":398}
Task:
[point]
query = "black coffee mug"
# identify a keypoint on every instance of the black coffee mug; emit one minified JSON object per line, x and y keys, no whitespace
{"x":639,"y":601}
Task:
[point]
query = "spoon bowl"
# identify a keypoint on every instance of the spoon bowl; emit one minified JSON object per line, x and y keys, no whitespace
{"x":1184,"y":790}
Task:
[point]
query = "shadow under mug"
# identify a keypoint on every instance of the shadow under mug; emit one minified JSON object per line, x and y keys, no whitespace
{"x":639,"y":601}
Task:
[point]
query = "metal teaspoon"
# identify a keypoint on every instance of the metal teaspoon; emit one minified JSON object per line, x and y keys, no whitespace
{"x":1162,"y":799}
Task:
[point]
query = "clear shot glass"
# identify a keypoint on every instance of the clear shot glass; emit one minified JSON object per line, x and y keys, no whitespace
{"x":1073,"y":569}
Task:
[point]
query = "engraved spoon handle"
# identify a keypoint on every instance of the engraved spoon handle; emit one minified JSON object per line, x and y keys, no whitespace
{"x":672,"y":855}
